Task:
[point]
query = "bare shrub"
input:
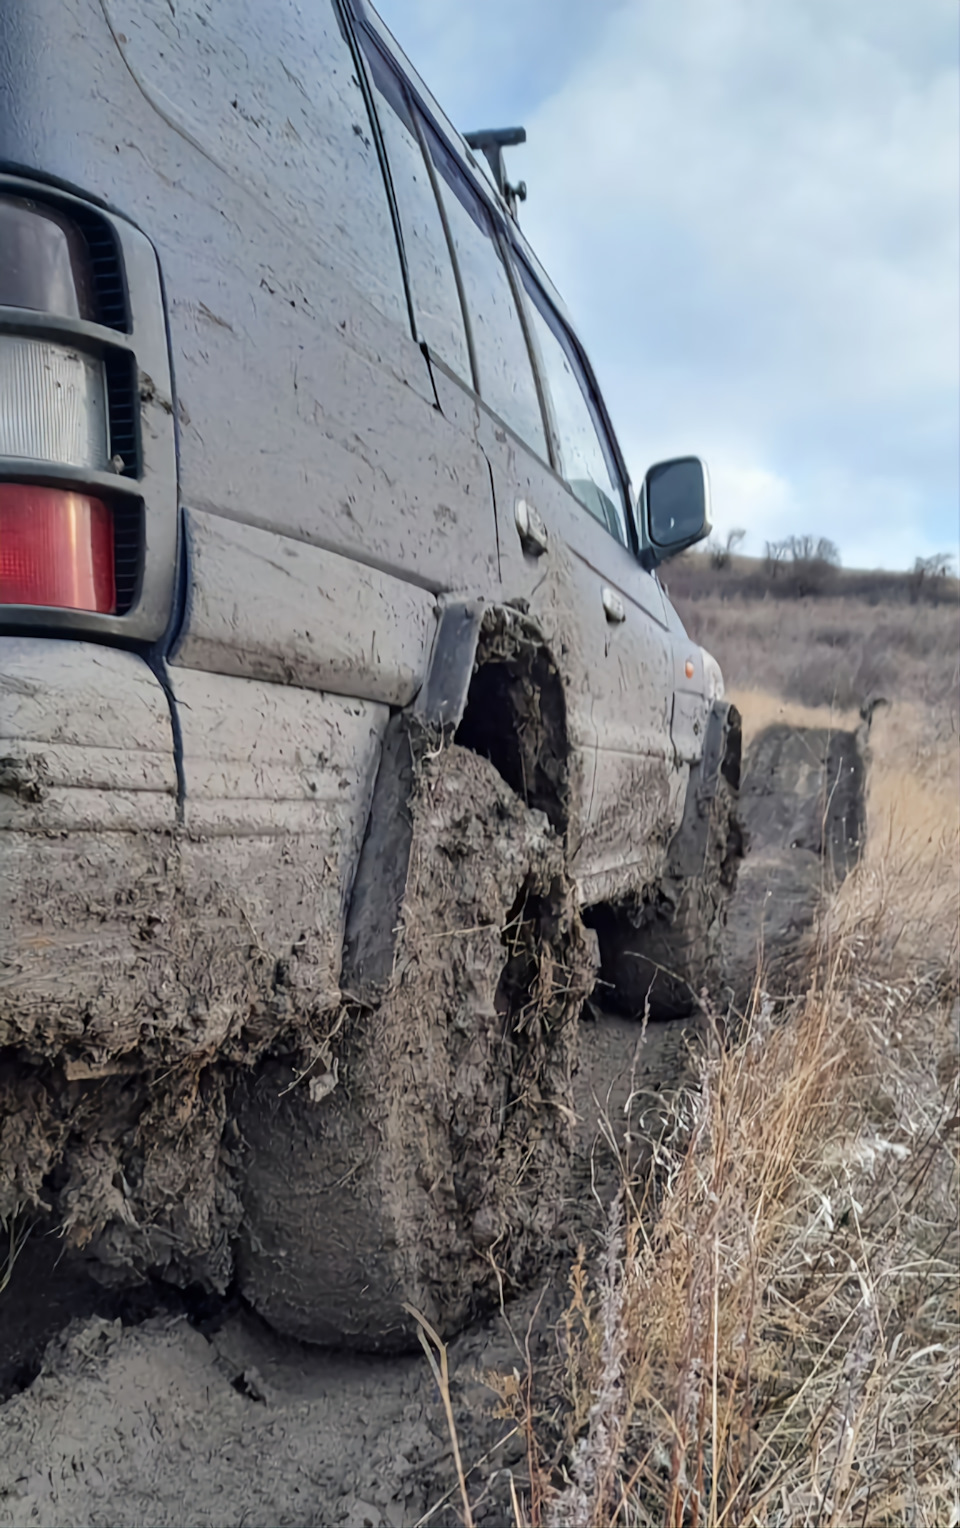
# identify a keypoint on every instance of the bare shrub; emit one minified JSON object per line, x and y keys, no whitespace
{"x":721,"y":553}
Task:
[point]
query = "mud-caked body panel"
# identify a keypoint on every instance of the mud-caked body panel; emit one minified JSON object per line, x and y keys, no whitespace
{"x":150,"y":938}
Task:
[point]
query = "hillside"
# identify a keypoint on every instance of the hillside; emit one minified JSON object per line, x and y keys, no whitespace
{"x":838,"y":639}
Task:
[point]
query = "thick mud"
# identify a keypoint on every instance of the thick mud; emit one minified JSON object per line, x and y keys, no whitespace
{"x":426,"y":1134}
{"x":431,"y":1173}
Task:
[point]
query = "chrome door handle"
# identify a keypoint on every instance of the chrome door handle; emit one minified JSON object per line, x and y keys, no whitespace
{"x":613,"y":607}
{"x":530,"y":528}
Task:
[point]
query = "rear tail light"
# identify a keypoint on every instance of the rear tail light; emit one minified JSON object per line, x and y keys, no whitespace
{"x":57,"y":544}
{"x":46,"y":263}
{"x":56,"y":548}
{"x":53,"y":404}
{"x":88,"y":497}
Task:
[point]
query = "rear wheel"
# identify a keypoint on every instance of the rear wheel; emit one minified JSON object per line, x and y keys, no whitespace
{"x":434,"y":1166}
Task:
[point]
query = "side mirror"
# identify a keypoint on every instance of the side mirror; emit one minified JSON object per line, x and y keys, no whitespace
{"x":674,"y":508}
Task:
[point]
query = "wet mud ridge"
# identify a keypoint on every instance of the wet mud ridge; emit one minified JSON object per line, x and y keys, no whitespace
{"x":440,"y":1142}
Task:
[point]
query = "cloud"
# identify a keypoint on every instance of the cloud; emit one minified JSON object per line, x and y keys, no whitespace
{"x":486,"y":62}
{"x":752,"y":211}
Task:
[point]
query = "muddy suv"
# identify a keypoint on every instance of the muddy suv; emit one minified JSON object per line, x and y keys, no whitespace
{"x":348,"y":736}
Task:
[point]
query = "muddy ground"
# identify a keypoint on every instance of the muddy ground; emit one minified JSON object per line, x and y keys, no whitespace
{"x":164,"y":1407}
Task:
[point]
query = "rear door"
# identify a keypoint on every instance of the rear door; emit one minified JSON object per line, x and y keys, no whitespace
{"x":635,"y":786}
{"x":564,"y":538}
{"x":499,"y":398}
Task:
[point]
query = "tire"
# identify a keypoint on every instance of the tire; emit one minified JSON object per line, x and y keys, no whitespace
{"x":435,"y":1165}
{"x":662,"y":953}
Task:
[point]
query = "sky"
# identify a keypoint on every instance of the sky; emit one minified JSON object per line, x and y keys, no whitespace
{"x":752,"y":210}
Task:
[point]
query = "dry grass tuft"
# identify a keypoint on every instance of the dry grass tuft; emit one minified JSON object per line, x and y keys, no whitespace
{"x":779,"y":1348}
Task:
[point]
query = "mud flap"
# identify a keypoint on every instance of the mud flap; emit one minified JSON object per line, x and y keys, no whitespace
{"x":374,"y":913}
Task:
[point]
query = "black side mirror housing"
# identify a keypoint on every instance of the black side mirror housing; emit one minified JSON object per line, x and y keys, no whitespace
{"x":674,"y":508}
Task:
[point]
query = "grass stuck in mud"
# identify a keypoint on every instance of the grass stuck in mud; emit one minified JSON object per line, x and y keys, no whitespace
{"x":765,"y":1331}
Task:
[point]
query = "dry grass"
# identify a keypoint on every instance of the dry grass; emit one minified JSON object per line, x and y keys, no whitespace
{"x":769,"y":1336}
{"x":781,"y":1347}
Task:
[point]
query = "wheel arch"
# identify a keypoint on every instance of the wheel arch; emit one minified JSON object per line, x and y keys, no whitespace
{"x":494,"y":688}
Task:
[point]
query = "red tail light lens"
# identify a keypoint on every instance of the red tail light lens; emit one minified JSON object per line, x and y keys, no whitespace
{"x":56,"y":548}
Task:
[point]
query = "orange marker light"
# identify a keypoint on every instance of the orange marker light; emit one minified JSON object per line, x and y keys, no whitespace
{"x":688,"y":668}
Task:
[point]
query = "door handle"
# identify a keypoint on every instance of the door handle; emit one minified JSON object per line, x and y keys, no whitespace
{"x":530,"y":528}
{"x":613,"y":607}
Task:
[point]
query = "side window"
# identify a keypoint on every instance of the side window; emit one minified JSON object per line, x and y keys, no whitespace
{"x":269,"y":90}
{"x":436,"y":301}
{"x":583,"y":455}
{"x":505,"y":378}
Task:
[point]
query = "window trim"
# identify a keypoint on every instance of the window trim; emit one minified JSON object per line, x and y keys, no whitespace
{"x":352,"y":34}
{"x":550,"y":431}
{"x":531,"y":290}
{"x":423,"y":127}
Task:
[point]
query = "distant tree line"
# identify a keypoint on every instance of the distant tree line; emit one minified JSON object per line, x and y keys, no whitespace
{"x":800,"y":566}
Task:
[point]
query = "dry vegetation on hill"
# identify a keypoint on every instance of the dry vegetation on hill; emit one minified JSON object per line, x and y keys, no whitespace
{"x":861,"y":635}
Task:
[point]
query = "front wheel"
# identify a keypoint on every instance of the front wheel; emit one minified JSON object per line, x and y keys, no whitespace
{"x":662,"y":950}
